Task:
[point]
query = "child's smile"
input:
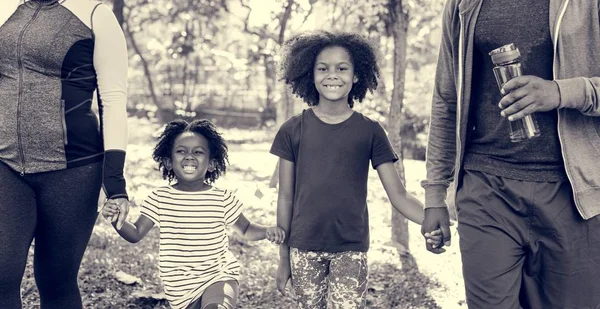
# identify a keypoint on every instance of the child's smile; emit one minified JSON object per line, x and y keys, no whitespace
{"x":189,"y":168}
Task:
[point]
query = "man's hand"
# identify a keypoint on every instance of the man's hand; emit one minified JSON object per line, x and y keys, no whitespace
{"x":123,"y":205}
{"x":436,"y":219}
{"x":524,"y":95}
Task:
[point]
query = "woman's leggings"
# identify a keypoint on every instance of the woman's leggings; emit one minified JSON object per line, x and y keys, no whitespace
{"x":59,"y":210}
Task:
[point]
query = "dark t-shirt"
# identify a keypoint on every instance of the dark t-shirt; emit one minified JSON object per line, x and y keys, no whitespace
{"x":489,"y":149}
{"x":332,"y":164}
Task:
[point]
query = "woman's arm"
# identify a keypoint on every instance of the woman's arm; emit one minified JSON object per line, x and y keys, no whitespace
{"x":110,"y":62}
{"x":402,"y":201}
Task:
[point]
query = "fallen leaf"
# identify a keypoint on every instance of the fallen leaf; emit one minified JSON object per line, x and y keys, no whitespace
{"x":258,"y":193}
{"x":126,"y":278}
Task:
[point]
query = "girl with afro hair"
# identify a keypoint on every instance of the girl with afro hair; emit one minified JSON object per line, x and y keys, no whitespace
{"x":196,"y":266}
{"x":324,"y":155}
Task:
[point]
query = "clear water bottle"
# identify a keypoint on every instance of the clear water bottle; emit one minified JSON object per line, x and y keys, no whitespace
{"x":507,"y":65}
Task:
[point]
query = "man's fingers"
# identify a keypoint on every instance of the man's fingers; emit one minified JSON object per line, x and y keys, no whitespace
{"x":515,"y":83}
{"x":435,"y":233}
{"x":435,"y":250}
{"x":520,"y":105}
{"x":513,"y":97}
{"x":446,"y":235}
{"x":530,"y":109}
{"x":439,"y":250}
{"x":435,"y":239}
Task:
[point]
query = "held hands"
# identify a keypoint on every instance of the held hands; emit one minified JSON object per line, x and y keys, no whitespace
{"x":116,"y":210}
{"x":524,"y":95}
{"x":275,"y":235}
{"x":434,"y":238}
{"x":110,"y":211}
{"x":436,"y":225}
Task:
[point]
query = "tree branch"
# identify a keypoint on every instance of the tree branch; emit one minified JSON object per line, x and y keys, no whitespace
{"x":246,"y":20}
{"x":309,"y":12}
{"x":284,"y":20}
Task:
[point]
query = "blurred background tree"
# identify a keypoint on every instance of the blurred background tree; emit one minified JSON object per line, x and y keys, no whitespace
{"x":218,"y":58}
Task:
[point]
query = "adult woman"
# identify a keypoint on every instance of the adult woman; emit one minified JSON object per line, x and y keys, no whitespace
{"x":54,"y":153}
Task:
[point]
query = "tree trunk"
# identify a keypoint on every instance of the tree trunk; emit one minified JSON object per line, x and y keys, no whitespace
{"x":118,"y":6}
{"x":270,"y":83}
{"x":163,"y":113}
{"x":399,"y":27}
{"x":284,"y":110}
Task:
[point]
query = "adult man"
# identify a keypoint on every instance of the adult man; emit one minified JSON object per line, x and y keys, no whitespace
{"x":529,"y":235}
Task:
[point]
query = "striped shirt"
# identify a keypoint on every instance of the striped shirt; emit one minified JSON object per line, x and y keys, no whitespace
{"x":194,"y":247}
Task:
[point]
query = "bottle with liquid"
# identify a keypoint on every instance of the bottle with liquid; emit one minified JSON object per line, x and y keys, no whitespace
{"x":507,"y":65}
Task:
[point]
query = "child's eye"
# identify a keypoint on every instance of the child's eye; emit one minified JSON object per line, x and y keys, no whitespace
{"x":180,"y":151}
{"x":343,"y":69}
{"x":321,"y":69}
{"x":198,"y":152}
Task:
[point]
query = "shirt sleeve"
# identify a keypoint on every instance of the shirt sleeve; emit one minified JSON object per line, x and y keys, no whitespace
{"x":283,"y":145}
{"x":381,"y":149}
{"x":110,"y":62}
{"x":150,"y":208}
{"x":233,"y":207}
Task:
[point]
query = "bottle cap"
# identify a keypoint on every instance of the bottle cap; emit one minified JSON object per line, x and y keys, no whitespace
{"x":505,"y":53}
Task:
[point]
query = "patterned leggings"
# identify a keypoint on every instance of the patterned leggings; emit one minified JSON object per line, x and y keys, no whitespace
{"x":342,"y":274}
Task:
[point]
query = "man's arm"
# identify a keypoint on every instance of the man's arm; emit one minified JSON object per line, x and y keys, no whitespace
{"x":441,"y":146}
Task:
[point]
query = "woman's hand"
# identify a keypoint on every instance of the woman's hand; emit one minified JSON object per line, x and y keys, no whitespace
{"x":110,"y":211}
{"x":123,"y":205}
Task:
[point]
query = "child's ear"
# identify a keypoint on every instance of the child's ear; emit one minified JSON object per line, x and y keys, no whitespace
{"x":355,"y":80}
{"x":168,"y":164}
{"x":212,"y":164}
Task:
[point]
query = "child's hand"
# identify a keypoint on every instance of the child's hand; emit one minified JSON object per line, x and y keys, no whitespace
{"x":275,"y":235}
{"x":110,"y":211}
{"x":434,"y":238}
{"x":284,"y":274}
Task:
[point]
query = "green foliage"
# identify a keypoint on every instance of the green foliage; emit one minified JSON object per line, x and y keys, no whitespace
{"x":208,"y":57}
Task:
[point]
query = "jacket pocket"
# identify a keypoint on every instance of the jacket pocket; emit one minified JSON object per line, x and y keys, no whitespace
{"x":64,"y":121}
